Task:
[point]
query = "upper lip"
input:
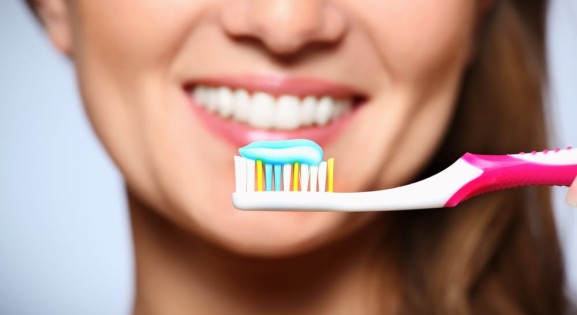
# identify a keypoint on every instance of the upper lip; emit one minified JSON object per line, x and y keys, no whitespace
{"x":281,"y":85}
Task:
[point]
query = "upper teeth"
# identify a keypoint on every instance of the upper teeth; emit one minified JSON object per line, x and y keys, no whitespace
{"x":264,"y":110}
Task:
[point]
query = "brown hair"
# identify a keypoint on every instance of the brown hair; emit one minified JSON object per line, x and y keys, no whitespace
{"x":498,"y":253}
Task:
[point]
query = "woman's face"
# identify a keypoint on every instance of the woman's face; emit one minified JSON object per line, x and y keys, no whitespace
{"x":393,"y":67}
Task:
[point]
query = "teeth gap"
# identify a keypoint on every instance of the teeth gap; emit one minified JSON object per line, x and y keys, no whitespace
{"x":263,"y":110}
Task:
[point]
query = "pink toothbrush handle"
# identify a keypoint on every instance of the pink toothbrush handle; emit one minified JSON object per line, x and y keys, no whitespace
{"x":546,"y":168}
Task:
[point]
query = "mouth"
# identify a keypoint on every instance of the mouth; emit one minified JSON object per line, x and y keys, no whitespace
{"x":246,"y":109}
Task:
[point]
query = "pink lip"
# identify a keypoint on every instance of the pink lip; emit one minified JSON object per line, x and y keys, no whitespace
{"x":240,"y":134}
{"x":281,"y":85}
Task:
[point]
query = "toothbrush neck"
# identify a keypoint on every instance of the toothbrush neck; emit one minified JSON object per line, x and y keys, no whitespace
{"x":176,"y":270}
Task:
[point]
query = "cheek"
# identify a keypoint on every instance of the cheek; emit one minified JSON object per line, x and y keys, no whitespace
{"x":130,"y":33}
{"x":419,"y":39}
{"x":122,"y":53}
{"x":423,"y":47}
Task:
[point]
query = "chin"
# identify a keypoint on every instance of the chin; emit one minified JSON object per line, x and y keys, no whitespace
{"x":276,"y":234}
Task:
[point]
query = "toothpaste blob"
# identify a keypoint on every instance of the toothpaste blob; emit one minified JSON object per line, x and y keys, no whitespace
{"x":284,"y":152}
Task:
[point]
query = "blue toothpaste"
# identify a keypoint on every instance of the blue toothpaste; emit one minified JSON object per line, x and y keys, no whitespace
{"x":284,"y":152}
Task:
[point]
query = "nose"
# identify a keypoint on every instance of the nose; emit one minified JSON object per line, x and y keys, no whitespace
{"x":284,"y":27}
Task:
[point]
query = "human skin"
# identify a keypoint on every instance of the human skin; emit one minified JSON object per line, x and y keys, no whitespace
{"x":133,"y":72}
{"x":136,"y":62}
{"x":572,"y":195}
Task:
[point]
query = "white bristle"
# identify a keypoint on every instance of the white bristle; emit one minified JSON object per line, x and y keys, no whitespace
{"x":314,"y":177}
{"x":237,"y":178}
{"x":322,"y":176}
{"x":304,"y":176}
{"x":286,"y":177}
{"x":250,"y":175}
{"x":240,"y":172}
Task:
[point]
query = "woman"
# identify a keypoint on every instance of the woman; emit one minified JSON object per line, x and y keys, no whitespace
{"x":426,"y":81}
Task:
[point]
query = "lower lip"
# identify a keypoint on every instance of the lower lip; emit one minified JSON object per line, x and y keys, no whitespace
{"x":241,"y":134}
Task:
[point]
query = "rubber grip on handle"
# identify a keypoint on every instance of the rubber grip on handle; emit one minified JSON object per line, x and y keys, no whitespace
{"x":509,"y":171}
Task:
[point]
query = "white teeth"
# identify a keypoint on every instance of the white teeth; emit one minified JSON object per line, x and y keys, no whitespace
{"x":342,"y":107}
{"x":308,"y":109}
{"x":241,"y":105}
{"x":324,"y":110}
{"x":262,"y":110}
{"x":200,"y":95}
{"x":225,"y":102}
{"x":287,"y":113}
{"x":212,"y":102}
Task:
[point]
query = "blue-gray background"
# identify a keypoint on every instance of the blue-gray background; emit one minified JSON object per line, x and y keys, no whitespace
{"x":64,"y":232}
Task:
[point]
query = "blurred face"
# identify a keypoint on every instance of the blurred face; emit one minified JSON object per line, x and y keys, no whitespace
{"x":174,"y":87}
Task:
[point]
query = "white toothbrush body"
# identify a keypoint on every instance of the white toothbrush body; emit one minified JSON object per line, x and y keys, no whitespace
{"x":468,"y":176}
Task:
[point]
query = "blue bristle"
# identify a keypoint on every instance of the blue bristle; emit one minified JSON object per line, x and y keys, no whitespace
{"x":268,"y":176}
{"x":277,"y":174}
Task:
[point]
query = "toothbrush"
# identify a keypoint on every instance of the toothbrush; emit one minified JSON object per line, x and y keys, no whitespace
{"x":469,"y":176}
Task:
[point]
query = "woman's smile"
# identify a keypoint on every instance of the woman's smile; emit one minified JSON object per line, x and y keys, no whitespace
{"x":243,"y":109}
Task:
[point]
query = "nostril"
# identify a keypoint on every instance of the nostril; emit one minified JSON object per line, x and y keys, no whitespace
{"x":284,"y":26}
{"x":286,"y":42}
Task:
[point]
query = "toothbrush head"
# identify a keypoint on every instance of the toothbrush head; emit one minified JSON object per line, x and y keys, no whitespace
{"x":264,"y":163}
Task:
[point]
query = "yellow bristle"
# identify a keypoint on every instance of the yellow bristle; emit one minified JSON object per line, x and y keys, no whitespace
{"x":296,"y":176}
{"x":259,"y":175}
{"x":330,"y":175}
